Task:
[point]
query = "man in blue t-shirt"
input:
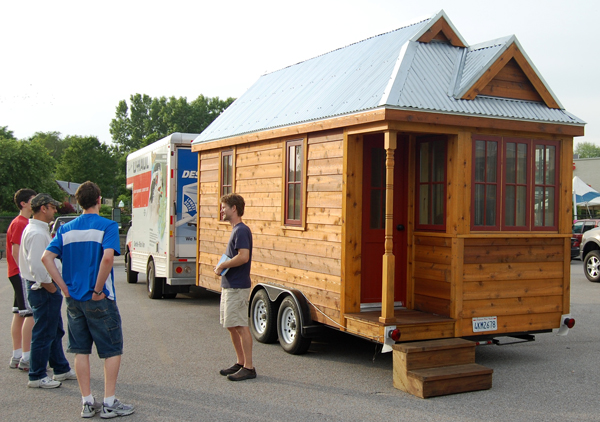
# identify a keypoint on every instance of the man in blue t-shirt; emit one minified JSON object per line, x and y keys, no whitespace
{"x":235,"y":288}
{"x":87,"y":247}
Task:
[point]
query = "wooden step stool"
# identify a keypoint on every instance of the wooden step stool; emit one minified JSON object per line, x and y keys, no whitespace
{"x":439,"y":367}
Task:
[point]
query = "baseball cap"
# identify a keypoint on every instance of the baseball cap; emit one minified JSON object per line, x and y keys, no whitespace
{"x":44,"y":199}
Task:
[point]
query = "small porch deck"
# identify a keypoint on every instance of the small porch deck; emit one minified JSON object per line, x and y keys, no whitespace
{"x":413,"y":325}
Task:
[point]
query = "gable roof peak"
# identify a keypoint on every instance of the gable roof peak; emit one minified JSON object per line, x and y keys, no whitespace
{"x":440,"y":26}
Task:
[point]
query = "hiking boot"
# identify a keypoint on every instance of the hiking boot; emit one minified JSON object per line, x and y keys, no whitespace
{"x":231,"y":370}
{"x":90,"y":409}
{"x":117,"y":409}
{"x":14,"y":363}
{"x":44,"y":383}
{"x":24,"y":365}
{"x":243,"y":374}
{"x":66,"y":376}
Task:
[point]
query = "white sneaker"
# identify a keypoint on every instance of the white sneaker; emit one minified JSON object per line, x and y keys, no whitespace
{"x":44,"y":383}
{"x":66,"y":376}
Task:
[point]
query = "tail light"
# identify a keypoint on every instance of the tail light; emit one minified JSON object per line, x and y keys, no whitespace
{"x":569,"y":322}
{"x":394,"y":334}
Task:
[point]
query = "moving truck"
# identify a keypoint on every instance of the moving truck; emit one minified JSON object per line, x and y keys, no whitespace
{"x":161,"y":241}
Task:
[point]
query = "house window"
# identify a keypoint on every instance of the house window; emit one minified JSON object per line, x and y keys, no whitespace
{"x":293,"y":183}
{"x":431,"y":184}
{"x":486,"y":186}
{"x":546,"y":185}
{"x":518,"y":202}
{"x":226,"y":175}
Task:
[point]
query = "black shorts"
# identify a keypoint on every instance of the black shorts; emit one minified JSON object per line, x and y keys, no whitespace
{"x":20,"y":304}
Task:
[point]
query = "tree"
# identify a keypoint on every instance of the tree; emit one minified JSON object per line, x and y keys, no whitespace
{"x":87,"y":158}
{"x":24,"y":165}
{"x":5,"y":133}
{"x":587,"y":150}
{"x":52,"y":142}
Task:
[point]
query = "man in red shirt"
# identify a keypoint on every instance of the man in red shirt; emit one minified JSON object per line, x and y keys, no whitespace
{"x":22,"y":322}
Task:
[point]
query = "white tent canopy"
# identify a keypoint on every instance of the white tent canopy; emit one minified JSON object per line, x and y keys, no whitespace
{"x":584,"y":194}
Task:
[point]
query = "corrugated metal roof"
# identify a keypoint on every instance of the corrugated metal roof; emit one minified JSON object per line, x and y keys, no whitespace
{"x":69,"y":187}
{"x":390,"y":70}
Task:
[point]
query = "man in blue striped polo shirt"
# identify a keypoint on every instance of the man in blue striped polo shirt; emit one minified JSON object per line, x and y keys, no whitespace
{"x":87,"y":247}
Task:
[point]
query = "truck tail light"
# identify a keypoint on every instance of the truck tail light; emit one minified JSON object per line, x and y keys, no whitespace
{"x":394,"y":334}
{"x":178,"y":270}
{"x":569,"y":322}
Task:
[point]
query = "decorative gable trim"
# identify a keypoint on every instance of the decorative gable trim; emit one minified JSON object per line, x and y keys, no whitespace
{"x":440,"y":28}
{"x":492,"y":80}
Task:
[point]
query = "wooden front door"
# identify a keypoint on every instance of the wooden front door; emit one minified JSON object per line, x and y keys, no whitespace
{"x":373,"y":222}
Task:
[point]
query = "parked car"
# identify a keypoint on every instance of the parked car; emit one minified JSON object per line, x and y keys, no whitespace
{"x":590,"y":254}
{"x":64,"y":219}
{"x":579,"y":228}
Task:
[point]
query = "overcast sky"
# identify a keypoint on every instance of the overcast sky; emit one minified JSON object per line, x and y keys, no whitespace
{"x":67,"y":64}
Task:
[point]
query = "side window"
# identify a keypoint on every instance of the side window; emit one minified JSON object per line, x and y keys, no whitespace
{"x":226,"y":178}
{"x":516,"y":184}
{"x":294,"y":182}
{"x":486,"y":184}
{"x":546,"y":185}
{"x":431,"y":184}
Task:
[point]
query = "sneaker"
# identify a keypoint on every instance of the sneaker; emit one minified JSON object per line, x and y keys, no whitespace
{"x":117,"y":409}
{"x":24,"y":365}
{"x":14,"y":363}
{"x":90,"y":409}
{"x":71,"y":375}
{"x":231,"y":370}
{"x":243,"y":374}
{"x":44,"y":383}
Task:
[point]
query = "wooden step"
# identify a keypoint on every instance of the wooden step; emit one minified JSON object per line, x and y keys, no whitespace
{"x":439,"y":367}
{"x":435,"y":353}
{"x":445,"y":380}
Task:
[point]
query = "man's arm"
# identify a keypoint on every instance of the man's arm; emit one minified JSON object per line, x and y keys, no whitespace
{"x":15,"y":253}
{"x":48,"y":261}
{"x":241,"y":258}
{"x":106,"y":265}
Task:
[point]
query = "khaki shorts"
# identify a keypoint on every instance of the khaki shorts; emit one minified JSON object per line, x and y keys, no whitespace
{"x":234,"y":307}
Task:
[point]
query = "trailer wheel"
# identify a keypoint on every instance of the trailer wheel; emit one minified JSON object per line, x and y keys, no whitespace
{"x":262,"y":318}
{"x":132,"y":276}
{"x":289,"y":328}
{"x":591,"y":266}
{"x":154,"y":284}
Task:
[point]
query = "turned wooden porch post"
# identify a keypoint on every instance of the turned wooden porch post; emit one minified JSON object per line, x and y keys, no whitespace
{"x":389,"y":263}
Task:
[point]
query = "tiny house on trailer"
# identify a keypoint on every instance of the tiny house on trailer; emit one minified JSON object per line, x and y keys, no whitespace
{"x":407,"y":184}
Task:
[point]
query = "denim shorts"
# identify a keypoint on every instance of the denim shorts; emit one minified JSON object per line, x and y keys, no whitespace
{"x":96,"y":322}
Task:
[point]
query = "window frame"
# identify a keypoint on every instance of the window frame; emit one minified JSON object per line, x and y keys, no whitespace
{"x":501,"y":168}
{"x":287,"y":222}
{"x":430,"y":227}
{"x":222,"y":154}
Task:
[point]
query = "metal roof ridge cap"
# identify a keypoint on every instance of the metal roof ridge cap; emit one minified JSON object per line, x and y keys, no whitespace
{"x":394,"y":77}
{"x":459,"y":68}
{"x":484,"y":68}
{"x":490,"y":43}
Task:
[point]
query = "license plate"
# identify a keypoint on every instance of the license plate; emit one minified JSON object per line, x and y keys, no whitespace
{"x":485,"y":324}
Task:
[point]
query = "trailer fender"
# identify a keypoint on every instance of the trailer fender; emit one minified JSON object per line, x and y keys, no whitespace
{"x":278,"y":293}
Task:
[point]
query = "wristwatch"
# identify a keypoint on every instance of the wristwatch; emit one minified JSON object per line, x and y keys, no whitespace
{"x":98,"y":293}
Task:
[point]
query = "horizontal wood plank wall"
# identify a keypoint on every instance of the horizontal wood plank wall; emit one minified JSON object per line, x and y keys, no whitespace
{"x":308,"y":260}
{"x":432,"y":273}
{"x":519,"y":280}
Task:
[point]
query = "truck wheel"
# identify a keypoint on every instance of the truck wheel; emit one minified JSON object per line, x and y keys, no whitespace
{"x":153,"y":283}
{"x":262,"y":318}
{"x":591,"y":266}
{"x":289,"y":328}
{"x":132,"y":276}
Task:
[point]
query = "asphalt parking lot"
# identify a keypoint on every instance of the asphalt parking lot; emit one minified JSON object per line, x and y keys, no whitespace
{"x":174,"y":349}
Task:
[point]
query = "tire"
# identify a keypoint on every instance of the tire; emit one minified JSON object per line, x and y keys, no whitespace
{"x":591,"y":266}
{"x":169,"y":295}
{"x":154,"y":284}
{"x":263,"y":324}
{"x":289,"y":328}
{"x":132,"y":276}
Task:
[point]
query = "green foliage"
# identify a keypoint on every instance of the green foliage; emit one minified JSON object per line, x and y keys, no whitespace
{"x":105,"y":210}
{"x":52,"y":142}
{"x":24,"y":165}
{"x":587,"y":150}
{"x":5,"y":133}
{"x":85,"y":159}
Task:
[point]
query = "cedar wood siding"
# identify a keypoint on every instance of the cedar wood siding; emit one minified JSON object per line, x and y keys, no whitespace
{"x":306,"y":259}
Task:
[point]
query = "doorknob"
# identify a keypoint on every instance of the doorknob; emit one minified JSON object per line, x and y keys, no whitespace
{"x":400,"y":227}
